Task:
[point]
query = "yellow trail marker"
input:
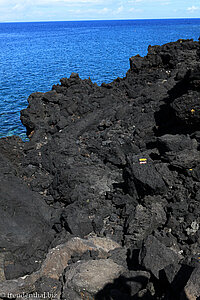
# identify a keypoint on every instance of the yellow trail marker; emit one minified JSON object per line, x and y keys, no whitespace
{"x":143,"y":160}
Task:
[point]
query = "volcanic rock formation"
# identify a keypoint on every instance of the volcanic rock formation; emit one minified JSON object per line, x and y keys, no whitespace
{"x":103,"y":201}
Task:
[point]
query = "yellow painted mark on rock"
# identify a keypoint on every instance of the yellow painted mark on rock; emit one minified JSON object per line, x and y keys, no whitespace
{"x":143,"y":160}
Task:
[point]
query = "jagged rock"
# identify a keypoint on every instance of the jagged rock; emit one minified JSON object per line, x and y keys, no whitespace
{"x":156,"y":257}
{"x":186,"y":159}
{"x":144,"y":221}
{"x":120,"y":160}
{"x":88,"y":278}
{"x":22,"y":224}
{"x":119,"y":256}
{"x":171,"y":272}
{"x":192,"y":289}
{"x":77,"y":223}
{"x":176,"y":143}
{"x":186,"y":108}
{"x":54,"y":265}
{"x":144,"y":176}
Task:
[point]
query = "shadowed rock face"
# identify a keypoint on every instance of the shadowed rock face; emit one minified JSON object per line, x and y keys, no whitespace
{"x":120,"y":161}
{"x":25,"y":219}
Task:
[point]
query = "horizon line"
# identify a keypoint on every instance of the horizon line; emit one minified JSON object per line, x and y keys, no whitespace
{"x":93,"y":20}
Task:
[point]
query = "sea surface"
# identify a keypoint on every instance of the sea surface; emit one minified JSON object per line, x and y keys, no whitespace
{"x":34,"y":56}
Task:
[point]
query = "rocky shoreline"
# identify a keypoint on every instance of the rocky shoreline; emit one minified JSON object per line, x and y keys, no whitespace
{"x":103,"y":202}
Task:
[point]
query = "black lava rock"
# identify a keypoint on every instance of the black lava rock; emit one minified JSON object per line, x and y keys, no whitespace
{"x":121,"y":161}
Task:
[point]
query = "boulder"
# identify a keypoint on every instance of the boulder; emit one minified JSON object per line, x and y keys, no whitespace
{"x":156,"y":257}
{"x":22,"y":225}
{"x":192,"y":289}
{"x":88,"y":278}
{"x":143,"y":174}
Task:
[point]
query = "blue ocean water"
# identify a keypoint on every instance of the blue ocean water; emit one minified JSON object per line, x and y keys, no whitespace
{"x":34,"y":56}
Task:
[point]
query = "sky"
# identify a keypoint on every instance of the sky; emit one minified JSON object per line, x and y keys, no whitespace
{"x":68,"y":10}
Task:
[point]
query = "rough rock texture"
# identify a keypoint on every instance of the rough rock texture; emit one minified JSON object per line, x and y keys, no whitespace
{"x":25,"y":219}
{"x":192,"y":289}
{"x":55,"y":263}
{"x":88,"y":278}
{"x":156,"y":256}
{"x":118,"y":162}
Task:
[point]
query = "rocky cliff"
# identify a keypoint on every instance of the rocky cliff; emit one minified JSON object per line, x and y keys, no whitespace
{"x":103,"y":202}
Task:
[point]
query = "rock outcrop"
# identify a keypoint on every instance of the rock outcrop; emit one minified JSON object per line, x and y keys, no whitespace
{"x":103,"y":202}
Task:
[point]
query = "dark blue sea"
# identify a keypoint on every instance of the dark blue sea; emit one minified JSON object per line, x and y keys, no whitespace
{"x":34,"y":56}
